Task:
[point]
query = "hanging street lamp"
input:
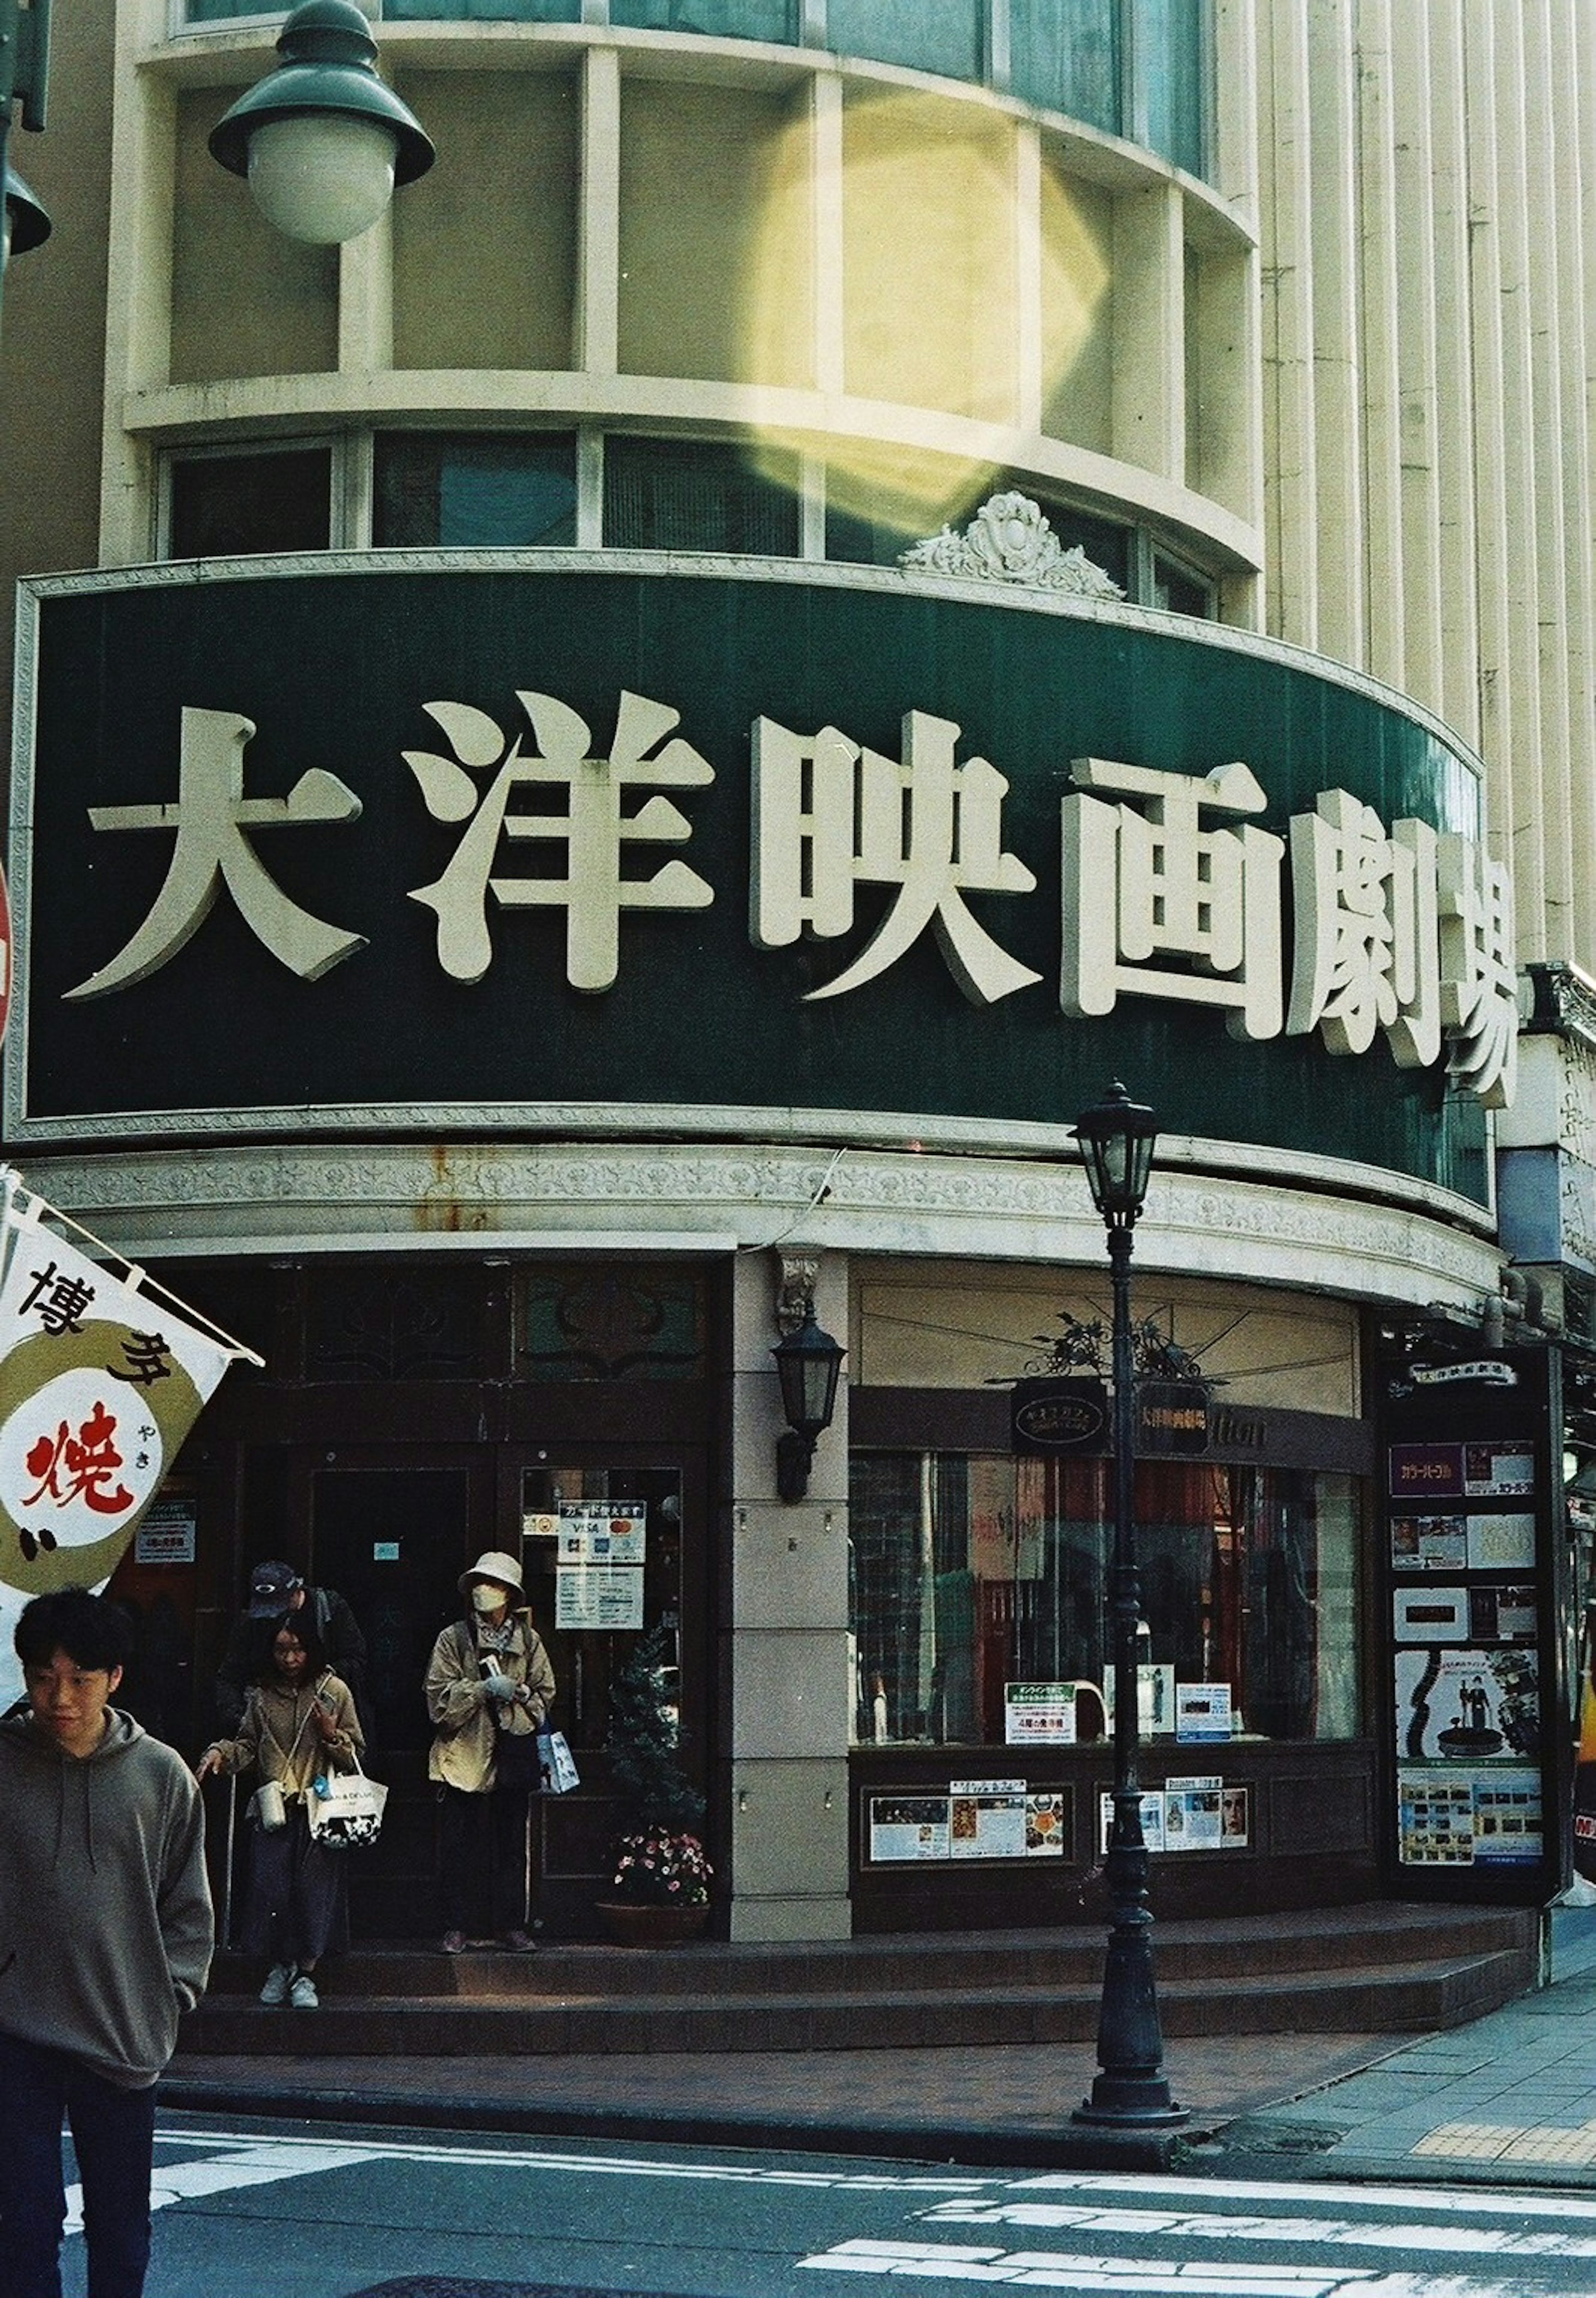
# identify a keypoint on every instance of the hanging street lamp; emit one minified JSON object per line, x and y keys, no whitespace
{"x":320,"y":137}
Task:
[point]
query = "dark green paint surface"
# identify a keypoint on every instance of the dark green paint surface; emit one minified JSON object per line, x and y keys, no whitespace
{"x":335,"y":667}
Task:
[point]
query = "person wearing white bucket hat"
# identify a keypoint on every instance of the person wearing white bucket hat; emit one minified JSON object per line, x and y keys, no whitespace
{"x":489,"y":1686}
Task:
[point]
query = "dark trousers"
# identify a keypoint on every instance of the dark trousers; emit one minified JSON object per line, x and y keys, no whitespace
{"x":113,"y":2134}
{"x":482,"y":1845}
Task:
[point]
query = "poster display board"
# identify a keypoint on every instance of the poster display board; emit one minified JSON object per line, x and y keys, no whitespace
{"x":1200,"y":1814}
{"x":970,"y":1819}
{"x":1471,"y":1498}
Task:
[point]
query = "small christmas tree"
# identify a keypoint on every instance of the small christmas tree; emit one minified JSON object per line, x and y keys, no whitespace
{"x":659,"y":1861}
{"x":642,"y":1739}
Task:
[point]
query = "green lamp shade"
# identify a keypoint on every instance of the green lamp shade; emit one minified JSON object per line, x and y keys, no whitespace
{"x":322,"y":140}
{"x":26,"y":224}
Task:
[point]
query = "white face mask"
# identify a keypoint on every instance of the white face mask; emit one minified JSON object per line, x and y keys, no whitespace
{"x":487,"y":1598}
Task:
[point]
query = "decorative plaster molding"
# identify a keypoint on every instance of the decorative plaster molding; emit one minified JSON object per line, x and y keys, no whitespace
{"x":402,"y":1196}
{"x":799,"y":1273}
{"x":1010,"y":541}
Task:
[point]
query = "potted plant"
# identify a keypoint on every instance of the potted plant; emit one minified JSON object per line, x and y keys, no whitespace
{"x":661,"y":1874}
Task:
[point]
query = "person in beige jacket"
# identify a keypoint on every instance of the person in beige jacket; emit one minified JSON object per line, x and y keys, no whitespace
{"x":299,"y":1721}
{"x":489,"y":1686}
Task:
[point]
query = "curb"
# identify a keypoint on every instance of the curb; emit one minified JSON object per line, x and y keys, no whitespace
{"x":1018,"y":2146}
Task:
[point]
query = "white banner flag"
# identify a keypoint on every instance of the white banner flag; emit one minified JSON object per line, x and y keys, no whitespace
{"x":100,"y":1382}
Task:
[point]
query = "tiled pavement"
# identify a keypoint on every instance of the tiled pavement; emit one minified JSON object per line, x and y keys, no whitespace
{"x":1509,"y":2100}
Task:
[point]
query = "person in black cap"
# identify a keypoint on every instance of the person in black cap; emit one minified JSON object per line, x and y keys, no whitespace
{"x":277,"y":1592}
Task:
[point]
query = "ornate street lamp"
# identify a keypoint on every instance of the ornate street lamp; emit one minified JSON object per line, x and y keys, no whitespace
{"x":26,"y":223}
{"x":24,"y":81}
{"x":807,"y":1364}
{"x":323,"y":140}
{"x":1130,"y":2090}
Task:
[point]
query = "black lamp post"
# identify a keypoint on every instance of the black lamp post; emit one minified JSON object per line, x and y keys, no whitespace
{"x":807,"y":1364}
{"x":1130,"y":2090}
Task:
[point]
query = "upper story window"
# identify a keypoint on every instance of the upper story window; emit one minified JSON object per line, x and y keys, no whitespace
{"x":687,"y":494}
{"x":277,"y":499}
{"x":440,"y":490}
{"x":520,"y":491}
{"x":1140,"y":69}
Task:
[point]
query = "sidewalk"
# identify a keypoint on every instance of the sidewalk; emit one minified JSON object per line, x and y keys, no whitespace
{"x":1509,"y":2100}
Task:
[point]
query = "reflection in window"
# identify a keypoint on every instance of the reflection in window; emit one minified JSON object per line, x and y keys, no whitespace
{"x":520,"y":11}
{"x":669,"y":494}
{"x":239,"y":505}
{"x":1180,"y":592}
{"x":1064,"y":54}
{"x":1171,"y":35}
{"x":972,"y":1572}
{"x":460,"y":490}
{"x":944,"y":38}
{"x":719,"y":19}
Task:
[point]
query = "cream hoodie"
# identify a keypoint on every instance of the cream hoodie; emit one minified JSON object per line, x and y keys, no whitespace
{"x":105,"y":1923}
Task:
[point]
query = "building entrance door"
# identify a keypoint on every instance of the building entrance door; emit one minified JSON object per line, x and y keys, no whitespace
{"x":615,"y":1551}
{"x":613,"y":1545}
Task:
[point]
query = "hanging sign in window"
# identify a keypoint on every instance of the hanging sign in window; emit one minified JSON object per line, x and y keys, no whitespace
{"x":1039,"y":1714}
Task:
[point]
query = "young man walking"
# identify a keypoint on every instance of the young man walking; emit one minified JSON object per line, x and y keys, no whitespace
{"x":105,"y":1936}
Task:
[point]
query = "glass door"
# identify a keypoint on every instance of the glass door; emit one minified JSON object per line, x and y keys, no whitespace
{"x":613,"y":1553}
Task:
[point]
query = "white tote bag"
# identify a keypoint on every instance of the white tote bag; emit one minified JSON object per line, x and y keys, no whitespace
{"x":346,"y":1813}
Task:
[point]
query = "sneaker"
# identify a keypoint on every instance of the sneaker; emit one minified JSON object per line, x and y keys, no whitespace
{"x":303,"y":1993}
{"x":279,"y":1979}
{"x":517,"y":1941}
{"x":453,"y":1943}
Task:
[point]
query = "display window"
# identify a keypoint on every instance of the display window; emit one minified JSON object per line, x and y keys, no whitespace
{"x":979,"y":1584}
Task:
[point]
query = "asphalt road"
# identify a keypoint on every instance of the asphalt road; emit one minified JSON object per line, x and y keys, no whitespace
{"x":258,"y":2210}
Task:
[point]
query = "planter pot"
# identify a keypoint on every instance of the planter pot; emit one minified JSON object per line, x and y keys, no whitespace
{"x":631,"y":1924}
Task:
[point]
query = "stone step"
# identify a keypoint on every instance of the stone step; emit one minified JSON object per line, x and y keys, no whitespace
{"x":1376,"y":1935}
{"x":1416,"y":1996}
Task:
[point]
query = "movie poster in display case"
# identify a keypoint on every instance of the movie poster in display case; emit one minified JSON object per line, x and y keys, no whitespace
{"x":1473,"y":1657}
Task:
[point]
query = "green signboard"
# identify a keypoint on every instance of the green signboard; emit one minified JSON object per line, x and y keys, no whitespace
{"x":447,"y":843}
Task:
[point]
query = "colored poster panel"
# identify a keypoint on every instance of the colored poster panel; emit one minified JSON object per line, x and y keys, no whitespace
{"x":1202,"y":1711}
{"x":1508,"y":1828}
{"x":1424,"y":1471}
{"x":1486,"y":1819}
{"x":1434,"y":1819}
{"x":1434,"y":1614}
{"x":908,"y":1827}
{"x":986,"y":1826}
{"x":1046,"y":1827}
{"x":1429,"y":1543}
{"x":1467,"y":1705}
{"x":1499,"y":1471}
{"x":1502,"y":1541}
{"x":1039,"y":1714}
{"x":1509,"y":1614}
{"x":1192,"y":1815}
{"x":1152,"y":1819}
{"x":1234,"y":1817}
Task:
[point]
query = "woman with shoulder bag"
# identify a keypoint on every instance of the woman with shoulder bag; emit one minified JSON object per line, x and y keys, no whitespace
{"x":299,"y":1721}
{"x":489,"y":1686}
